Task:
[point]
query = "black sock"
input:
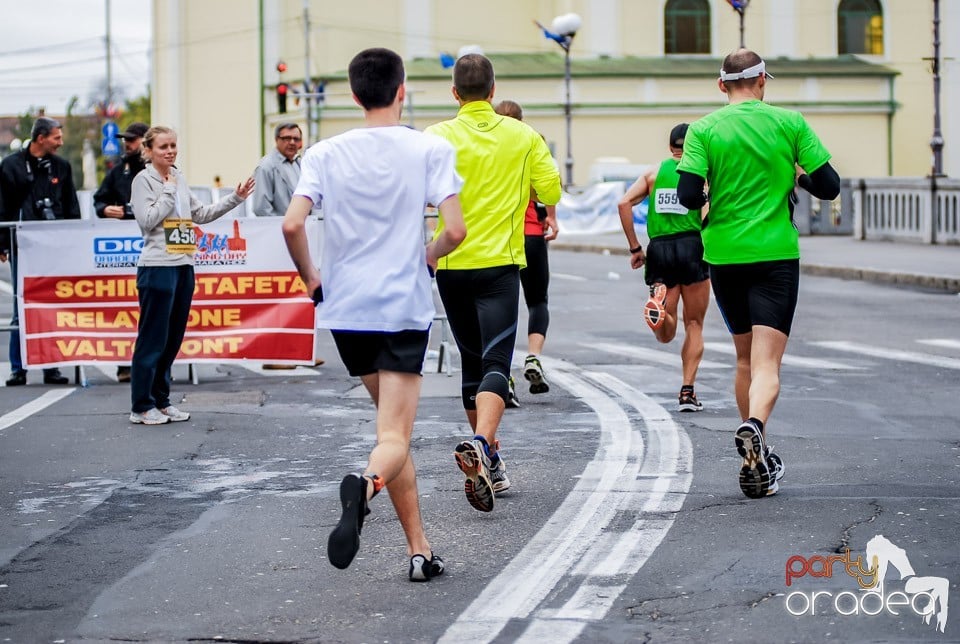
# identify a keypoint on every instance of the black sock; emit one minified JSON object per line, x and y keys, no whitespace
{"x":758,"y":422}
{"x":686,"y":388}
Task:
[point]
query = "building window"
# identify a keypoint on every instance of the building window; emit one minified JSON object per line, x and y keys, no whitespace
{"x":860,"y":27}
{"x":686,"y":27}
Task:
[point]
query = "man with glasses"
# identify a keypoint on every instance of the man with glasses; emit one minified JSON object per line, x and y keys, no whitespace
{"x":278,"y":173}
{"x":36,"y":185}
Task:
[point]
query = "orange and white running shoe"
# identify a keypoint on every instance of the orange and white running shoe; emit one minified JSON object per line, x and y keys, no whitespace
{"x":654,"y":311}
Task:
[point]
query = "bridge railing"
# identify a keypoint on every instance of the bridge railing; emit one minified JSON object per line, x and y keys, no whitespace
{"x":905,"y":209}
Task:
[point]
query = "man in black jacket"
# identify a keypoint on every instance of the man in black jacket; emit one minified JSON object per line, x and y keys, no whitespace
{"x":35,"y":185}
{"x":112,"y":199}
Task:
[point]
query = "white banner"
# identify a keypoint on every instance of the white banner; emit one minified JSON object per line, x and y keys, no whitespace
{"x":594,"y":210}
{"x":77,"y":294}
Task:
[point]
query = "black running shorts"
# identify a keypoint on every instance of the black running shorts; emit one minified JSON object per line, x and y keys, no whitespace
{"x":367,"y":352}
{"x":760,"y":294}
{"x":675,"y":259}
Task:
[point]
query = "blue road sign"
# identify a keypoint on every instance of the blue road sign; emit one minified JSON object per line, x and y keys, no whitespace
{"x":110,"y":146}
{"x":110,"y":130}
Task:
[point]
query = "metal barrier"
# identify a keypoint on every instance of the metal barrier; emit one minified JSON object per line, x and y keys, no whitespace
{"x":79,"y":375}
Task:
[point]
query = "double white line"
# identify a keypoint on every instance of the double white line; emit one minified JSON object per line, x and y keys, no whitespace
{"x":624,"y":478}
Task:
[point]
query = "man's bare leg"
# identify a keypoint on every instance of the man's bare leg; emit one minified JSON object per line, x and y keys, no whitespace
{"x":741,"y":383}
{"x":535,"y":343}
{"x":485,"y":420}
{"x":696,"y":299}
{"x":396,"y":396}
{"x":766,"y":354}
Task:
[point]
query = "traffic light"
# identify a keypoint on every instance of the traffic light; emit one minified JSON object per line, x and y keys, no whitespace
{"x":282,"y":90}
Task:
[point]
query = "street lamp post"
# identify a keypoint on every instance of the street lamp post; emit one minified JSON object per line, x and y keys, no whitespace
{"x":562,"y":30}
{"x":936,"y":142}
{"x":740,"y":6}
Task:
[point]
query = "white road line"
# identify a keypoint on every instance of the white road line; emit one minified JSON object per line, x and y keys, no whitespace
{"x":664,"y":479}
{"x":671,"y":359}
{"x":892,"y":354}
{"x":793,"y":361}
{"x":940,"y":342}
{"x":568,"y":534}
{"x":622,"y":477}
{"x":36,"y":405}
{"x":568,"y":277}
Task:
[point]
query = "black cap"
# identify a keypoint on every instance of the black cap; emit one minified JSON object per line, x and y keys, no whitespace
{"x":677,"y":135}
{"x":134,"y":131}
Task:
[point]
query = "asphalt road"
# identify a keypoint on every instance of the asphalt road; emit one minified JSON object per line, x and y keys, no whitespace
{"x":625,"y":521}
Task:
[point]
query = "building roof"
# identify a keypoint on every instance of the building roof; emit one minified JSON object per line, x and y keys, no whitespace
{"x":550,"y":65}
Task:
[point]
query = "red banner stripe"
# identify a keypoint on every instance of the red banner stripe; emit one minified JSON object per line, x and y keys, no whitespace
{"x":76,"y":349}
{"x":203,"y":317}
{"x":76,"y":289}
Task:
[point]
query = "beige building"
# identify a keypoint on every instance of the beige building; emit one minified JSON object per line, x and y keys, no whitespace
{"x":855,"y":68}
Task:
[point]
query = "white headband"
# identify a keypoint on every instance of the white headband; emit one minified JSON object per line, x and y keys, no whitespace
{"x":749,"y":72}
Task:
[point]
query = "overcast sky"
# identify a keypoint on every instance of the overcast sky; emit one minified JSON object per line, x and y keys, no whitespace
{"x":51,"y":50}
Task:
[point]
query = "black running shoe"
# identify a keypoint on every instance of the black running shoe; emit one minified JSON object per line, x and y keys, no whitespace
{"x":422,"y":569}
{"x":754,"y":471}
{"x":344,"y":541}
{"x":688,"y":401}
{"x":475,"y":464}
{"x":533,"y":372}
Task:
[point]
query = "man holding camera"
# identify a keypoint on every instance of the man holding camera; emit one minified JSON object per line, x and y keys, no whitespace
{"x":36,"y":185}
{"x":112,"y":198}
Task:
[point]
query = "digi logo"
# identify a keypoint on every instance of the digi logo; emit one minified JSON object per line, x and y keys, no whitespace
{"x":117,"y":245}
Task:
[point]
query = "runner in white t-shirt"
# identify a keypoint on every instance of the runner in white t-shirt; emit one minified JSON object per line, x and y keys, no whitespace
{"x":374,"y":183}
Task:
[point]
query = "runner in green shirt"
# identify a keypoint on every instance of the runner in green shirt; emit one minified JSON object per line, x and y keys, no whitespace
{"x":674,"y":263}
{"x":752,"y":155}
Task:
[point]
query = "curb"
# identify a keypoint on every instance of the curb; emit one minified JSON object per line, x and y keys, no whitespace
{"x":933,"y":282}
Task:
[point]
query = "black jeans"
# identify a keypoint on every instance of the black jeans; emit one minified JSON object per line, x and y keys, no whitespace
{"x":165,"y":295}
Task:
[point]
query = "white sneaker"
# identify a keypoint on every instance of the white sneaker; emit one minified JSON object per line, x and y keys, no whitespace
{"x":149,"y":417}
{"x":174,"y":414}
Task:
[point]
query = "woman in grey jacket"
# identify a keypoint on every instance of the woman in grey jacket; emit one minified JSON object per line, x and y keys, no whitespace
{"x":166,"y":212}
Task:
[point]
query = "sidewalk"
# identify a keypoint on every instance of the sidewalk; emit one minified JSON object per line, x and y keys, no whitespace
{"x":919,"y":265}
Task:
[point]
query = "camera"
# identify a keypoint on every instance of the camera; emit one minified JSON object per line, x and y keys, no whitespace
{"x":45,"y":208}
{"x":128,"y":210}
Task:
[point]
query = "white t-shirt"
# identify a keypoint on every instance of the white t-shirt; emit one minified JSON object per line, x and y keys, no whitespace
{"x":374,"y":184}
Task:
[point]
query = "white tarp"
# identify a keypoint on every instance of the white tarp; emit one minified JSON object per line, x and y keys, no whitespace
{"x":593,"y":210}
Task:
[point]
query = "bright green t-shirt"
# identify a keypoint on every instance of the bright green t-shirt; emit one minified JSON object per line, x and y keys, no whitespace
{"x":500,"y":159}
{"x":748,"y":153}
{"x":665,"y":214}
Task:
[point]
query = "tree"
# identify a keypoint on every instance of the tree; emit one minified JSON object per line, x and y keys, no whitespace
{"x":76,"y":128}
{"x":137,"y":110}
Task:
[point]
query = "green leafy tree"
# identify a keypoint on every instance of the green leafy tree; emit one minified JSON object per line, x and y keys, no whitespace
{"x":137,"y":110}
{"x":76,"y":128}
